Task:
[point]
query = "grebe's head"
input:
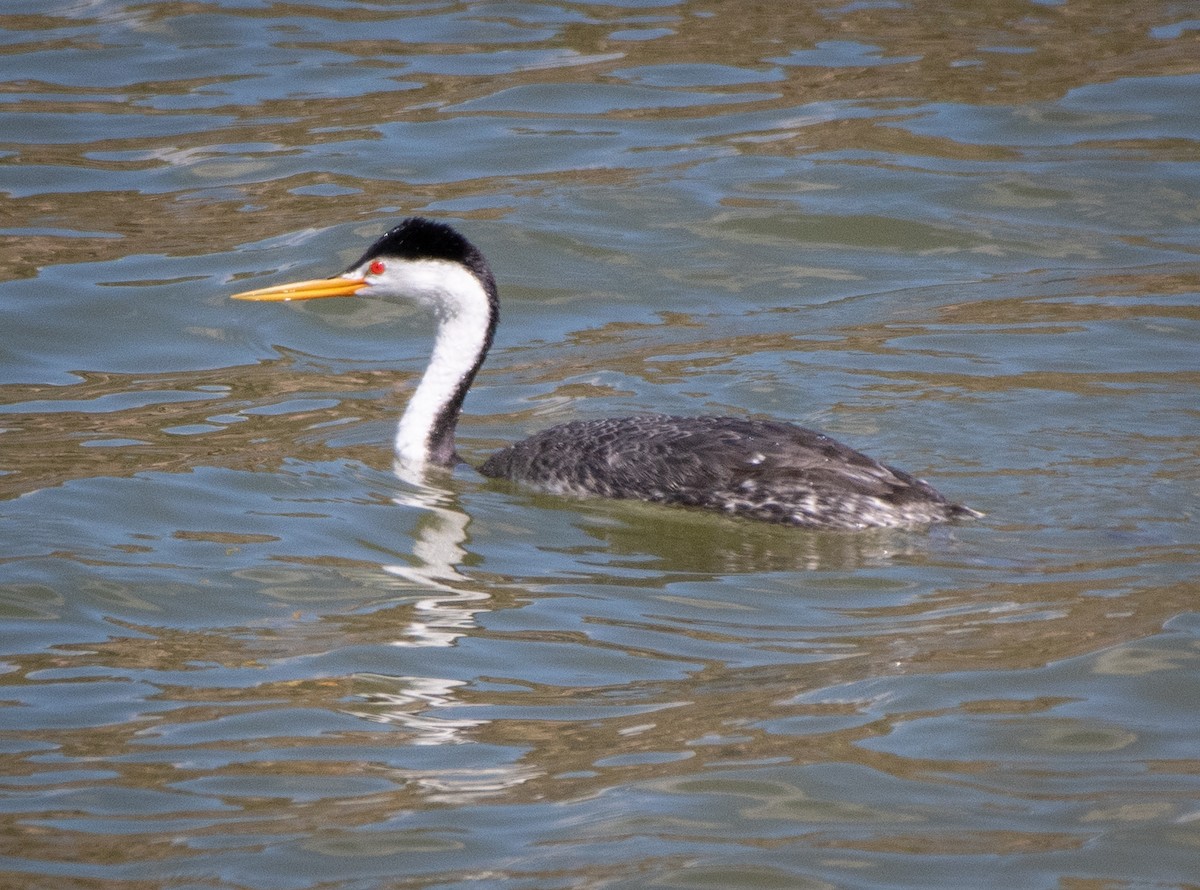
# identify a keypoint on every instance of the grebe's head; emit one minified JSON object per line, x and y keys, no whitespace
{"x":420,"y":260}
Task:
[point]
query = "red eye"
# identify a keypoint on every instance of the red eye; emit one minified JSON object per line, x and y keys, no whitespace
{"x":376,"y":267}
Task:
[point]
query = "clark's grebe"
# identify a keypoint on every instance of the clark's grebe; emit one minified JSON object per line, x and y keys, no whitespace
{"x":761,"y":469}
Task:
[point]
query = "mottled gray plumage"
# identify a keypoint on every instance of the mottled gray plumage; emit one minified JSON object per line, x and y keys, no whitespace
{"x":760,"y":469}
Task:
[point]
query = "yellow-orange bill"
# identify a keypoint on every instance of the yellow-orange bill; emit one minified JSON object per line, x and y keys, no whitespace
{"x":306,"y":290}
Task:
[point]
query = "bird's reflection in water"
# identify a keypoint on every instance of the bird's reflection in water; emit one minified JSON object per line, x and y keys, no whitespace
{"x":444,"y":612}
{"x":438,"y":549}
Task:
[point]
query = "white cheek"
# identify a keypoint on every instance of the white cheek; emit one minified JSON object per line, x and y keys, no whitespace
{"x":449,"y":289}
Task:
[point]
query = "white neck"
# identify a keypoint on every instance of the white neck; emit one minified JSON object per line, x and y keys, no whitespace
{"x":425,"y":434}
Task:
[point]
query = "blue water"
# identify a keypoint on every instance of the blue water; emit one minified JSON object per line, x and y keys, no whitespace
{"x":238,"y":652}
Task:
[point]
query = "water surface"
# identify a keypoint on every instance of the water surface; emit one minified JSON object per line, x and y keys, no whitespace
{"x":238,"y":652}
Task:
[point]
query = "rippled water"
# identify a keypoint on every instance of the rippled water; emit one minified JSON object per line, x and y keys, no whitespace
{"x":238,"y":652}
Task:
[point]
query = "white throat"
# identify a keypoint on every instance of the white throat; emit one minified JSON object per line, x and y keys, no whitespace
{"x":461,"y":305}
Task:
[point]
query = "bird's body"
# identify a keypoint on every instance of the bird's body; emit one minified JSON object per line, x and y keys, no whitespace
{"x":761,"y":469}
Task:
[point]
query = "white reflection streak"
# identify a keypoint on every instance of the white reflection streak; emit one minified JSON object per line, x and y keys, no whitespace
{"x":461,"y":786}
{"x":443,"y":617}
{"x":437,"y":552}
{"x":440,"y":618}
{"x":410,"y":699}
